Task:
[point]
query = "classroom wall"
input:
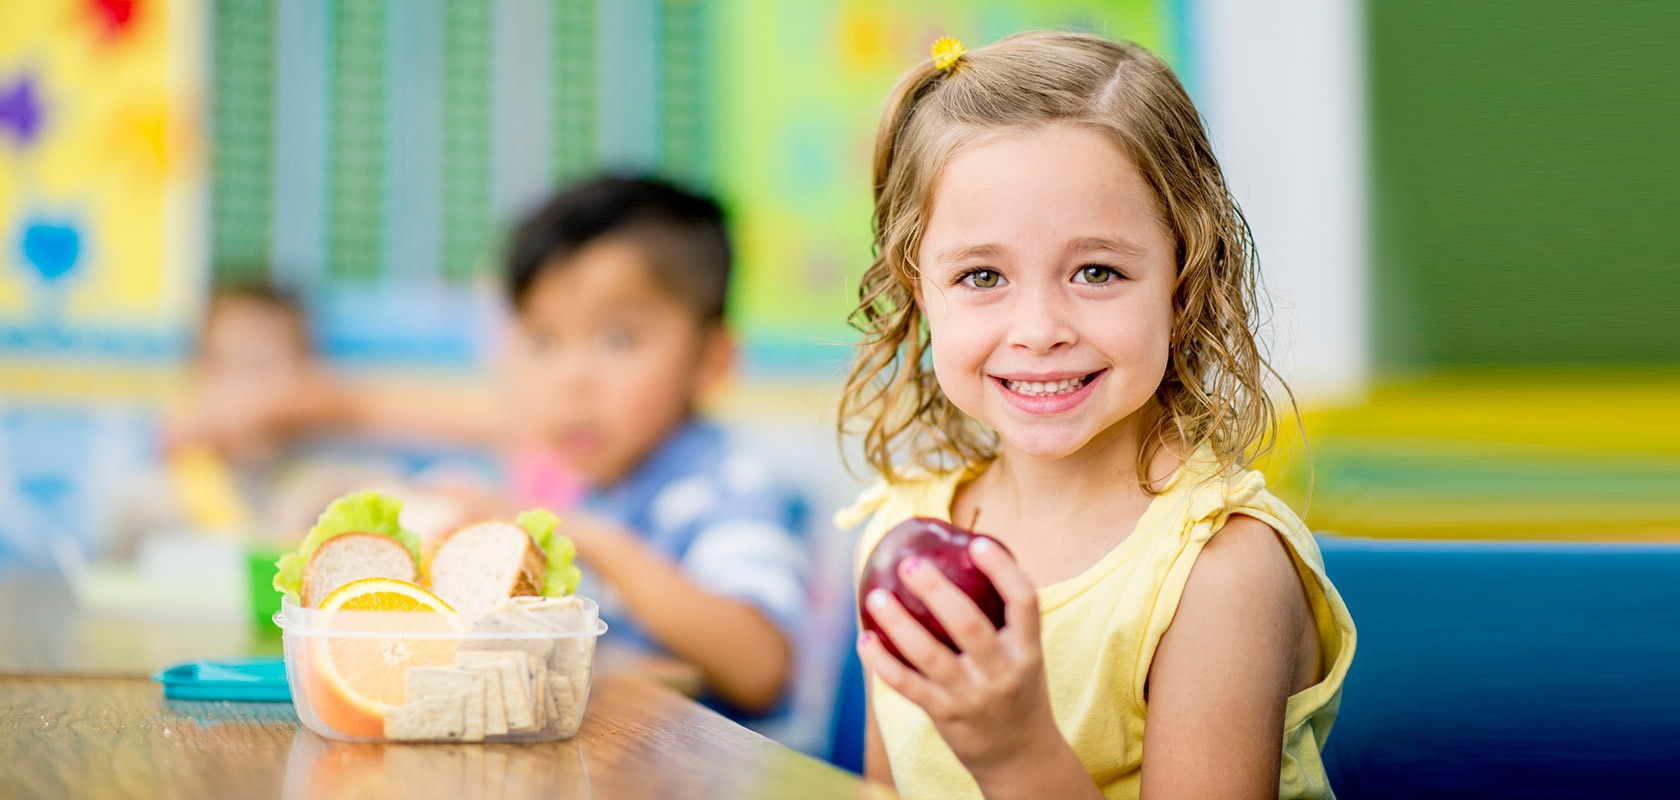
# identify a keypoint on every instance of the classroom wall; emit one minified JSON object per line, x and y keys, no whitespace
{"x":383,"y":193}
{"x":1526,"y":183}
{"x":1282,"y":86}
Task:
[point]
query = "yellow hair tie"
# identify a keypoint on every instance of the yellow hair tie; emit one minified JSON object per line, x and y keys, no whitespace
{"x":946,"y":51}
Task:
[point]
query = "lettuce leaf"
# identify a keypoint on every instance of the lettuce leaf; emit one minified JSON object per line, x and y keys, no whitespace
{"x":562,"y":576}
{"x":368,"y":512}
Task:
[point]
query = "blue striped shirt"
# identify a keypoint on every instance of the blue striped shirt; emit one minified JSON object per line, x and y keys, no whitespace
{"x":723,"y":518}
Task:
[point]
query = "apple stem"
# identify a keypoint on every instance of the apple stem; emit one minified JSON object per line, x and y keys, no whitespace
{"x":974,"y":521}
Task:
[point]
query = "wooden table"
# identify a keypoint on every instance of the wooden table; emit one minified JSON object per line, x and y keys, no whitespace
{"x":78,"y":718}
{"x":44,"y":633}
{"x":118,"y":737}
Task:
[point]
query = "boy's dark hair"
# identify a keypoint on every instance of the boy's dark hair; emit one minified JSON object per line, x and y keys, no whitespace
{"x":680,"y":233}
{"x":267,"y":295}
{"x":262,"y":292}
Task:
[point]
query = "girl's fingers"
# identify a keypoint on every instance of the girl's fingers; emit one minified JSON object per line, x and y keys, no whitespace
{"x":876,"y":660}
{"x":926,"y":653}
{"x":1020,"y":597}
{"x":956,"y":612}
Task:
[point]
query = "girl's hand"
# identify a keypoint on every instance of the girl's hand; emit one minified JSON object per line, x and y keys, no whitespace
{"x":991,"y":702}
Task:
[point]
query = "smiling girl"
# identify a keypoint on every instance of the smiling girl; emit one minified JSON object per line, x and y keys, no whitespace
{"x":1059,"y":342}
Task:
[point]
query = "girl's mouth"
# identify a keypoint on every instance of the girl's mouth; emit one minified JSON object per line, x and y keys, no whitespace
{"x":1048,"y":388}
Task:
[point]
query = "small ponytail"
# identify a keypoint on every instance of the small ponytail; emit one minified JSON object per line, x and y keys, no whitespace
{"x":901,"y":104}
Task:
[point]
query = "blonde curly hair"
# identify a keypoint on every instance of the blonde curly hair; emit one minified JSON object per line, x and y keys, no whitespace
{"x":1214,"y":390}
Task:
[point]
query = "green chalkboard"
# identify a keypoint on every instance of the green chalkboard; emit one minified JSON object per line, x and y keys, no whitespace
{"x":1526,"y":182}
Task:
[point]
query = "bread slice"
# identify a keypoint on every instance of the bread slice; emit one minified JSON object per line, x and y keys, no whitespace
{"x":480,"y":565}
{"x":351,"y":557}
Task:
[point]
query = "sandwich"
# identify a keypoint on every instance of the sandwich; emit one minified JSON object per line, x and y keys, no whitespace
{"x":472,"y":569}
{"x":358,"y":536}
{"x":480,"y":565}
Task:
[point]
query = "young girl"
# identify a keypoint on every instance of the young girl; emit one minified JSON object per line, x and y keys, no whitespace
{"x":1058,"y":337}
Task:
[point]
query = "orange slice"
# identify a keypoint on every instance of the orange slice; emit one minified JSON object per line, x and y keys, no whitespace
{"x":355,"y":670}
{"x":383,"y":594}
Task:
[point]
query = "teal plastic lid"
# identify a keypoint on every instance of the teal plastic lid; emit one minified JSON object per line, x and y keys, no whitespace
{"x":246,"y":680}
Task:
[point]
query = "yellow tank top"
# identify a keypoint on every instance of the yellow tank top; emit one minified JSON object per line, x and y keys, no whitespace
{"x":1100,"y":630}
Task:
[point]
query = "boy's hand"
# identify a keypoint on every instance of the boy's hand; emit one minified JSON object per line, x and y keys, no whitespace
{"x":991,"y":702}
{"x":744,"y":656}
{"x":593,"y":535}
{"x":239,"y":419}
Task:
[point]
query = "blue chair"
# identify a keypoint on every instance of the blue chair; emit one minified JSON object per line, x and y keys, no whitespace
{"x":846,"y":726}
{"x":1508,"y":669}
{"x":1485,"y":669}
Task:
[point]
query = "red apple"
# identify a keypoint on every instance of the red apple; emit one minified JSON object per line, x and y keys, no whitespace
{"x":943,"y":546}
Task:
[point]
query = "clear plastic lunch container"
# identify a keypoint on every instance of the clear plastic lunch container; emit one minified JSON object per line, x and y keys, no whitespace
{"x":518,"y":672}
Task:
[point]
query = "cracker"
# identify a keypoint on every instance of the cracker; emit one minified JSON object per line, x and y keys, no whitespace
{"x":513,"y":618}
{"x":542,"y":606}
{"x":536,"y":677}
{"x":558,"y":614}
{"x":572,"y":654}
{"x":495,"y":708}
{"x":580,"y":688}
{"x":439,"y":716}
{"x":516,"y":691}
{"x":563,"y":712}
{"x":421,"y":682}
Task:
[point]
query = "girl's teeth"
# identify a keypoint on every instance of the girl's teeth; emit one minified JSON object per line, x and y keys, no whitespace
{"x":1041,"y":388}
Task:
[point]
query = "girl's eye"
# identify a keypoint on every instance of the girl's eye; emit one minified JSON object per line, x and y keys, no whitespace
{"x":618,"y":338}
{"x":1094,"y":274}
{"x":981,"y":278}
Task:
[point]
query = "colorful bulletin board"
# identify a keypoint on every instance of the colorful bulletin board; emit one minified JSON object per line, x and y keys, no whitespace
{"x":101,"y":179}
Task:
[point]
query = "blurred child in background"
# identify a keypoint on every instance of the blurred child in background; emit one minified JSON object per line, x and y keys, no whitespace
{"x":234,"y":461}
{"x":618,"y":288}
{"x":254,"y":351}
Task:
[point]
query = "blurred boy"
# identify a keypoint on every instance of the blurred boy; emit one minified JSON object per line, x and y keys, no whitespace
{"x":619,"y":288}
{"x":254,"y":350}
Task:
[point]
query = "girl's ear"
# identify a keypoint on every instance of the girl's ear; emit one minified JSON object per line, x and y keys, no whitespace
{"x":717,"y":356}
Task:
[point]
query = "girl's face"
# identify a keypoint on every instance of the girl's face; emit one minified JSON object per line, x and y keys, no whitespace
{"x":1047,"y":279}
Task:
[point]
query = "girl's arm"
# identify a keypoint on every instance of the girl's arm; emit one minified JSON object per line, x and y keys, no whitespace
{"x":1224,"y":669}
{"x":991,"y":703}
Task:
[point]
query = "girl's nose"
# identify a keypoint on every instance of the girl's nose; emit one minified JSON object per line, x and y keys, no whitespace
{"x":1041,"y":320}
